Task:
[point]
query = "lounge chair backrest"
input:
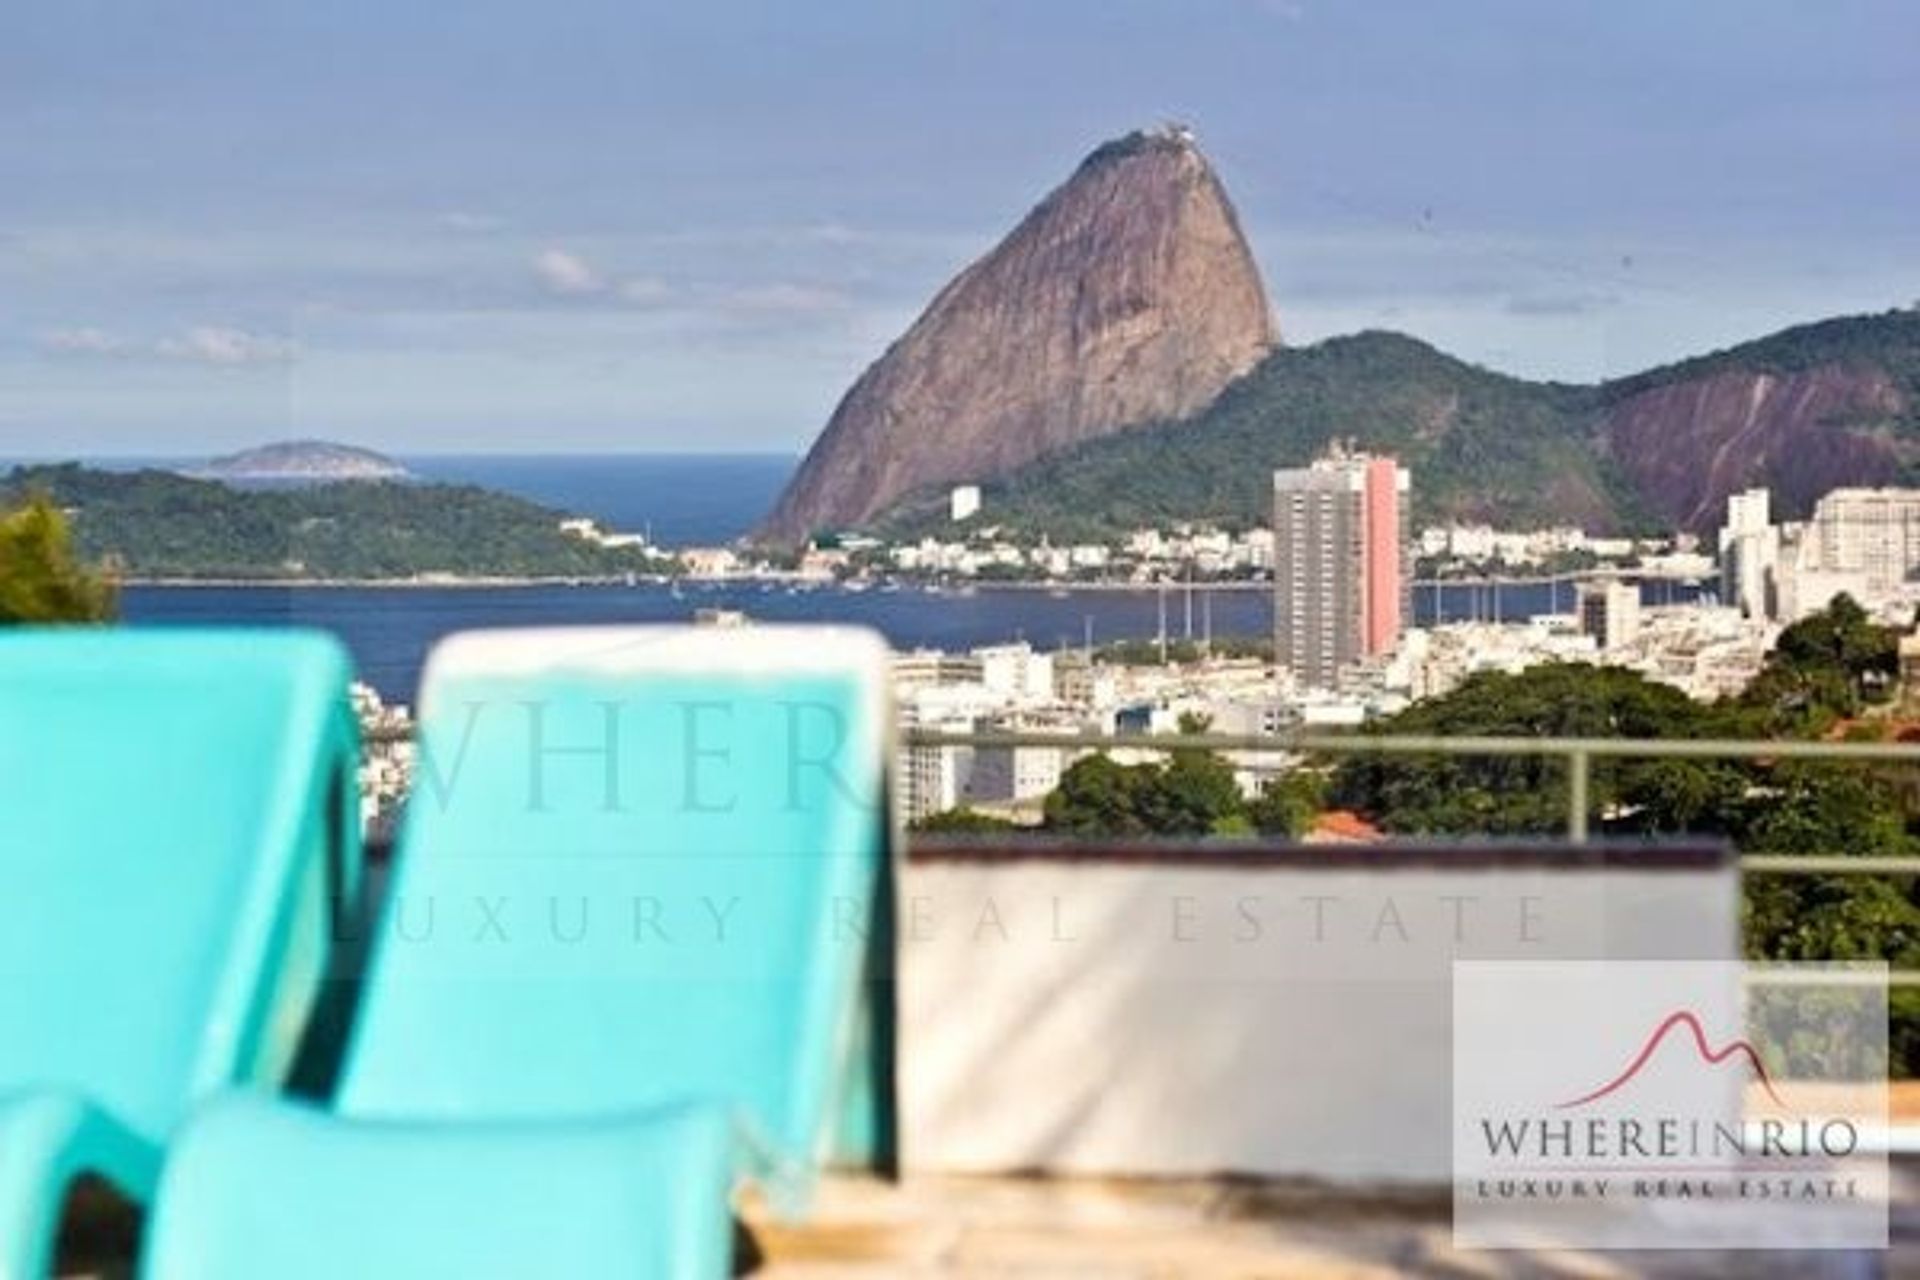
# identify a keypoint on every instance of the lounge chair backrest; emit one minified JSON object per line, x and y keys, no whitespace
{"x":640,"y":867}
{"x":177,"y":816}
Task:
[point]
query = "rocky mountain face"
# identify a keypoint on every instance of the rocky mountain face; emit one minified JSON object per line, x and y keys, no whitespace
{"x":1127,"y":296}
{"x":1806,"y":410}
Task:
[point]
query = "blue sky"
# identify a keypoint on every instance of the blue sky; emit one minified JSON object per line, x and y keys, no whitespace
{"x":620,"y":225}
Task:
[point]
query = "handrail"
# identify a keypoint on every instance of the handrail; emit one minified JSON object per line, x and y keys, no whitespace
{"x":1579,"y":753}
{"x":1431,"y":744}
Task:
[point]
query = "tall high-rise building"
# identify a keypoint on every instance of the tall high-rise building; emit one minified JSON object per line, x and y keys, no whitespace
{"x":1749,"y":554}
{"x":1341,"y":577}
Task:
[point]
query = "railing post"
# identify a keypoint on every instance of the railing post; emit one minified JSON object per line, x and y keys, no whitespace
{"x":1578,"y":766}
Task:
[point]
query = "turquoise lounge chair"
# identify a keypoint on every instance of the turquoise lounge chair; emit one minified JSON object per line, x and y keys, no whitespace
{"x":624,"y":962}
{"x":178,"y":821}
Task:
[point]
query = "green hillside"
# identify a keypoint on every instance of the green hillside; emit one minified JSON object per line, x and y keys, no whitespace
{"x":158,"y":524}
{"x":1483,"y":445}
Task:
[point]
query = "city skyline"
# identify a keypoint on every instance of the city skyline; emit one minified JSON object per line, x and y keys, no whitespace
{"x":647,"y":229}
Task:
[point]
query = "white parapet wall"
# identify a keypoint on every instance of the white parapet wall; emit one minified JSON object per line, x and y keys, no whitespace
{"x":1195,"y":1011}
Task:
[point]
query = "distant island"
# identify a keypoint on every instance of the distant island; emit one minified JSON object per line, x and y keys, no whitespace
{"x":160,"y":525}
{"x":302,"y":461}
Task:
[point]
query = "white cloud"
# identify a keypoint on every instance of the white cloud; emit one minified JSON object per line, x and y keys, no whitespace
{"x":567,"y":273}
{"x":202,"y":344}
{"x":85,"y":341}
{"x":210,"y":344}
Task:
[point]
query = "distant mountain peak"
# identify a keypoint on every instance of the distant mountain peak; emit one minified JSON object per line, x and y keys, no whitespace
{"x":315,"y":460}
{"x":1128,"y":295}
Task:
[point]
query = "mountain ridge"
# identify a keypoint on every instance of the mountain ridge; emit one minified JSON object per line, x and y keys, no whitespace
{"x":1128,"y":294}
{"x":1800,"y":410}
{"x":1114,"y":359}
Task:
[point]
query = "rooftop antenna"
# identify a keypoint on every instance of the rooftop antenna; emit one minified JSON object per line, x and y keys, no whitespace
{"x":1189,"y":601}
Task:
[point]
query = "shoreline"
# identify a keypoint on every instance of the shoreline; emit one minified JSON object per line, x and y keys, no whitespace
{"x":765,"y":580}
{"x":961,"y":587}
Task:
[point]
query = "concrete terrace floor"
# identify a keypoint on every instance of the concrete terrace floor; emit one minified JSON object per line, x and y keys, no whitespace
{"x":1006,"y":1228}
{"x":1014,"y":1229}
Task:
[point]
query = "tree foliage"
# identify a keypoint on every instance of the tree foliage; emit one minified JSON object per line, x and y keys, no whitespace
{"x":1527,"y":794}
{"x":963,"y":821}
{"x":158,"y":524}
{"x":1481,"y":442}
{"x":1825,"y":668}
{"x":41,"y":580}
{"x":1193,"y":792}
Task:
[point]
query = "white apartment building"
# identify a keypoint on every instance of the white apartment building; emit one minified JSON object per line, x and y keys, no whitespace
{"x":1016,"y":672}
{"x":1007,"y":775}
{"x":1609,"y":611}
{"x":1749,"y":554}
{"x":933,"y":779}
{"x":1872,"y":532}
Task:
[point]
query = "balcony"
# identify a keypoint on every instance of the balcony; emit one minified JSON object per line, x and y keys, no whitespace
{"x":1098,"y":1071}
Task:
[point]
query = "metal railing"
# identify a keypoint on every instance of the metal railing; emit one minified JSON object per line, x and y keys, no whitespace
{"x":1579,"y":754}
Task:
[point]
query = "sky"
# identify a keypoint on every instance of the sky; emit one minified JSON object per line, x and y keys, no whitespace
{"x":619,"y":225}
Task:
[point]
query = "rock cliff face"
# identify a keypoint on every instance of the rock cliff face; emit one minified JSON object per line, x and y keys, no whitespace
{"x":1127,"y":296}
{"x":1687,"y":445}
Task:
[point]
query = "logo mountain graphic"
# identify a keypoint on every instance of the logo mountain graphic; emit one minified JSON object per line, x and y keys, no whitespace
{"x":1707,"y":1053}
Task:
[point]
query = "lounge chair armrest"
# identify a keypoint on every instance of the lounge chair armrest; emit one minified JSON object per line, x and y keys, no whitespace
{"x":49,"y":1139}
{"x":260,"y":1187}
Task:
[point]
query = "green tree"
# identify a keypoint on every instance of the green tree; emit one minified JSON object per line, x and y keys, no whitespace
{"x":962,"y":821}
{"x":1098,"y":796}
{"x":40,"y":579}
{"x":1288,"y":804}
{"x":1191,"y":793}
{"x":1824,"y":667}
{"x":1527,"y":794}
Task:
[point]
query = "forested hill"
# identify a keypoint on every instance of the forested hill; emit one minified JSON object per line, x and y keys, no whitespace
{"x":1481,"y":444}
{"x":155,"y":524}
{"x":1800,"y":411}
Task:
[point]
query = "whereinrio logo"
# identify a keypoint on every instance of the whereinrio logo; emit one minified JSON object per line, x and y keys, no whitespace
{"x":1590,"y":1109}
{"x":1688,"y":1020}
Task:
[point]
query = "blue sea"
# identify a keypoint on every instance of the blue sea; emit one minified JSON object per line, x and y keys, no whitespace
{"x":678,"y":500}
{"x":694,"y":500}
